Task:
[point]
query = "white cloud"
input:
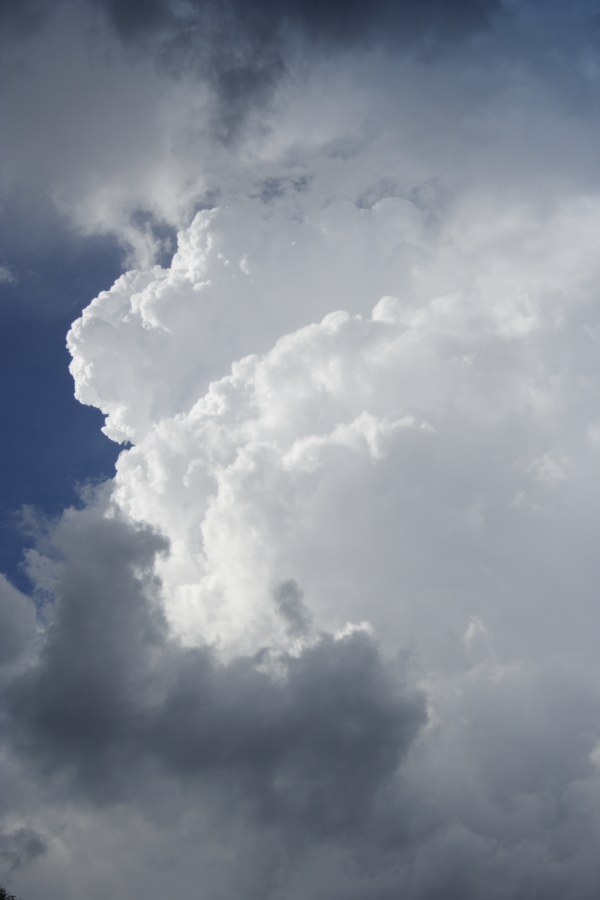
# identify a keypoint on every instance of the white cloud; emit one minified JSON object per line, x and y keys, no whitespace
{"x":441,"y":417}
{"x":363,"y":403}
{"x":376,"y":458}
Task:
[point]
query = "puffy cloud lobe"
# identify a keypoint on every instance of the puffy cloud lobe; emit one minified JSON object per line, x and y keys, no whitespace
{"x":148,"y":347}
{"x":340,"y":227}
{"x":454,"y":426}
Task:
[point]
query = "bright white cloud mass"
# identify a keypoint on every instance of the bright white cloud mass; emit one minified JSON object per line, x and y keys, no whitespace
{"x":331,"y":631}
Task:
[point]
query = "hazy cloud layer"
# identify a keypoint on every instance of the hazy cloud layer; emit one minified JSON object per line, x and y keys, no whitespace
{"x":243,"y":50}
{"x":112,"y":109}
{"x":124,"y":118}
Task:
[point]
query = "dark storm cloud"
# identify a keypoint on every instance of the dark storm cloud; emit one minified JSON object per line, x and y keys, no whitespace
{"x":20,"y":19}
{"x":312,"y":749}
{"x":17,"y":624}
{"x":111,"y":694}
{"x":337,"y":21}
{"x":18,"y":848}
{"x":242,"y":49}
{"x":288,"y":597}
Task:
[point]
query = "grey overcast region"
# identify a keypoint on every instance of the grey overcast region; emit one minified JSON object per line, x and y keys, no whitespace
{"x":110,"y":703}
{"x":331,"y":631}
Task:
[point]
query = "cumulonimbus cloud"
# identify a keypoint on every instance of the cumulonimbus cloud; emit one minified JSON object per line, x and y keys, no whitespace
{"x":331,"y":629}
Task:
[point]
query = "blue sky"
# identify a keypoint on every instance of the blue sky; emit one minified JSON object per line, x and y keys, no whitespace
{"x":52,"y":443}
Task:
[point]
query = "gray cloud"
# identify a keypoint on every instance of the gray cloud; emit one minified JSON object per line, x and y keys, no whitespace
{"x":17,"y":624}
{"x":442,"y":483}
{"x":119,"y":113}
{"x":20,"y":19}
{"x":19,"y":847}
{"x":333,"y":22}
{"x":111,"y":696}
{"x":317,"y":768}
{"x":243,"y":49}
{"x":289,"y":599}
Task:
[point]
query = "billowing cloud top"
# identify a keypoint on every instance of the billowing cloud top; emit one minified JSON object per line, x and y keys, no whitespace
{"x":331,"y":629}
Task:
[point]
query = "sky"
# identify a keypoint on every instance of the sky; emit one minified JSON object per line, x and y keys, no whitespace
{"x":299,"y":332}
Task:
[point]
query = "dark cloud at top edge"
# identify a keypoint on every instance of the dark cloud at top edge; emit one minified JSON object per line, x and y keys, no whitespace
{"x":242,"y":50}
{"x":18,"y":19}
{"x":337,"y":21}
